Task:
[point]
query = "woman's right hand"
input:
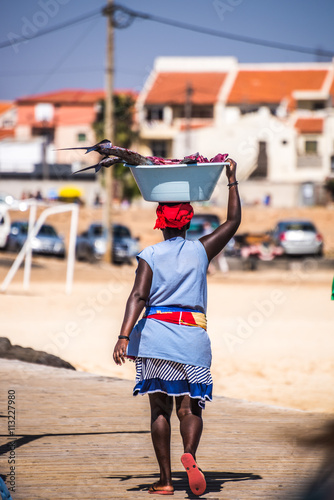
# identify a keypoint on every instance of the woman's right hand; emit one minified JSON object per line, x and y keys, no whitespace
{"x":120,"y":351}
{"x":231,"y":169}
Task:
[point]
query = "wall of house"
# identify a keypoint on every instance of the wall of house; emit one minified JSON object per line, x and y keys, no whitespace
{"x":21,"y":156}
{"x":67,"y":136}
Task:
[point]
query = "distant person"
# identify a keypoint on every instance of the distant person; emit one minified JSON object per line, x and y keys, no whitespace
{"x":38,"y":195}
{"x":97,"y":200}
{"x":267,"y":200}
{"x":170,"y":344}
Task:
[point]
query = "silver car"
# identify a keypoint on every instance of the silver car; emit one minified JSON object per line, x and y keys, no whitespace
{"x":298,"y":237}
{"x":46,"y":242}
{"x":92,"y":244}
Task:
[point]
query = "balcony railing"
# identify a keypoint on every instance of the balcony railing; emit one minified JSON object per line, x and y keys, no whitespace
{"x":309,"y":161}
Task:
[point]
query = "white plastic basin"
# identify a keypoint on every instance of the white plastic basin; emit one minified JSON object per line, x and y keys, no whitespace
{"x":169,"y":183}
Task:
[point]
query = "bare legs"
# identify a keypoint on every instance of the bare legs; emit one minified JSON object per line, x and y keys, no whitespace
{"x":191,"y":425}
{"x":161,"y":409}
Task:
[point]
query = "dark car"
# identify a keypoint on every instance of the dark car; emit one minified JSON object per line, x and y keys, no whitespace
{"x":298,"y":237}
{"x":91,"y":245}
{"x":46,"y":242}
{"x":203,"y":224}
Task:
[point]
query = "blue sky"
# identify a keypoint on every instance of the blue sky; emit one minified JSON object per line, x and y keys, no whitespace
{"x":75,"y":56}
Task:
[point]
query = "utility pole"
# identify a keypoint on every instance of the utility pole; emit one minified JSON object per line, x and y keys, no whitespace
{"x":109,"y":124}
{"x":187,"y":115}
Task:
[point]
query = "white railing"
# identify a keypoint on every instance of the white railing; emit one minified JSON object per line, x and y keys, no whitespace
{"x":26,"y":250}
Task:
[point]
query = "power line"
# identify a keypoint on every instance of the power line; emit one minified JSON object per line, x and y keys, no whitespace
{"x":14,"y":74}
{"x":222,"y":34}
{"x":128,"y":15}
{"x":58,"y":27}
{"x":63,"y":58}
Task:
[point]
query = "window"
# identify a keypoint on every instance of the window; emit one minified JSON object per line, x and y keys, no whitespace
{"x":47,"y":231}
{"x":159,"y":148}
{"x":43,"y":132}
{"x":311,"y":105}
{"x":82,"y":137}
{"x":154,"y":113}
{"x":121,"y":232}
{"x":311,"y":147}
{"x":197,"y":111}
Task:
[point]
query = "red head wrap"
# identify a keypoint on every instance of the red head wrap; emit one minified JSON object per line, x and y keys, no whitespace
{"x":177,"y":215}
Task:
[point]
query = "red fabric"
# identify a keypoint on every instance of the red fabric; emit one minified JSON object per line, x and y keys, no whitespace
{"x":176,"y":317}
{"x":177,"y":215}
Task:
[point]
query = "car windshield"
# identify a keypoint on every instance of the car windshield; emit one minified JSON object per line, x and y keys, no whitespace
{"x":98,"y":231}
{"x":22,"y":228}
{"x":121,"y":232}
{"x":47,"y":231}
{"x":298,"y":226}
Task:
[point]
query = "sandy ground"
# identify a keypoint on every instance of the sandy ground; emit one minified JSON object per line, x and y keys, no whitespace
{"x":271,"y":330}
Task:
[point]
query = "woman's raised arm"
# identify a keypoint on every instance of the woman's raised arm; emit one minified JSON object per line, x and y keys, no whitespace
{"x":216,"y":241}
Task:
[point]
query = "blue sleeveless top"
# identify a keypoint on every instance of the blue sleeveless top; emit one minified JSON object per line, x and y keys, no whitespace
{"x":179,"y":270}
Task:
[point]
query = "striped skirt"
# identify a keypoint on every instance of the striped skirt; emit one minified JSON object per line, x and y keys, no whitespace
{"x":174,"y":379}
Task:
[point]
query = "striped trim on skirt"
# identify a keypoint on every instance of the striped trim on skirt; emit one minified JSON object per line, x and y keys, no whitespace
{"x":174,"y":379}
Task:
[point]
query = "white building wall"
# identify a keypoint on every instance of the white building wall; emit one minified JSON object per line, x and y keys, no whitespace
{"x":21,"y":156}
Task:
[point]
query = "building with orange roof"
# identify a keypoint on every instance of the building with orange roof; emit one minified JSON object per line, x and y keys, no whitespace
{"x":31,"y":148}
{"x":7,"y":119}
{"x":65,"y":118}
{"x":43,"y":124}
{"x":275,"y":119}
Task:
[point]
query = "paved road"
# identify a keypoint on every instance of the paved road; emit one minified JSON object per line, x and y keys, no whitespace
{"x":83,"y":436}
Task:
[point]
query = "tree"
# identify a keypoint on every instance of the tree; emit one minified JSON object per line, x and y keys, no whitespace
{"x":124,"y":137}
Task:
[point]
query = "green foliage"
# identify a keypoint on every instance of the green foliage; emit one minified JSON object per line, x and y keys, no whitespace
{"x":124,"y":136}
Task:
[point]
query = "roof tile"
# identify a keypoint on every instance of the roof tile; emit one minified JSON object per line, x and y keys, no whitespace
{"x":171,"y":88}
{"x":309,"y":125}
{"x":270,"y":86}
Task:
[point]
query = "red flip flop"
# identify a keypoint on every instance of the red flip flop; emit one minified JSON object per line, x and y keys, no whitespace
{"x":196,"y":477}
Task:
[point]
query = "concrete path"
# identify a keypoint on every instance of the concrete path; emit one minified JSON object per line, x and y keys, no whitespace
{"x":82,"y":436}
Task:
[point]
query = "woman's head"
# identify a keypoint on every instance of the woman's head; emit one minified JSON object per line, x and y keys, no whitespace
{"x":174,"y":215}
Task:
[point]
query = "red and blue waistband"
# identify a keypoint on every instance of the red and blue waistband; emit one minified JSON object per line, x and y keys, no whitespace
{"x":177,"y":315}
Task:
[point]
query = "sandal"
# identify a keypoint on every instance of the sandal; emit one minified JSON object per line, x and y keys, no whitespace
{"x":161,"y":490}
{"x":196,"y":477}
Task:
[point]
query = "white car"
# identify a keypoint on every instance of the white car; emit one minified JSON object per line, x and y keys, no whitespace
{"x":298,"y":237}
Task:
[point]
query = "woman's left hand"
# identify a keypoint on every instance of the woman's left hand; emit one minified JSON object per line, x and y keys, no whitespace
{"x":120,"y":351}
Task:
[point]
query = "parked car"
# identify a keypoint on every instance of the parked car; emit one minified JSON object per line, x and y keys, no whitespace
{"x":202,"y":224}
{"x":46,"y":242}
{"x":298,"y":237}
{"x":4,"y":225}
{"x":92,"y":244}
